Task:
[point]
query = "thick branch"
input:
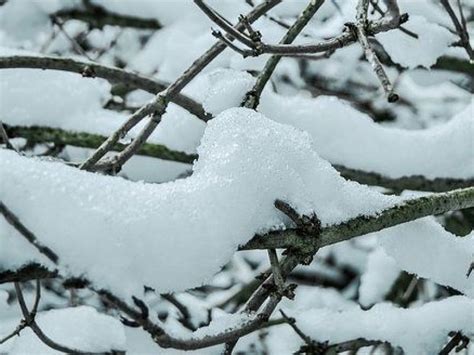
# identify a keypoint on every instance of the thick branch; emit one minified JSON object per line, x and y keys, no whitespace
{"x":88,"y":140}
{"x":408,"y":211}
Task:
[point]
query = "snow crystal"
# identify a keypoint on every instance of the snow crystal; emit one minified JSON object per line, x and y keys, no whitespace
{"x":419,"y":330}
{"x":82,"y":328}
{"x":432,"y":42}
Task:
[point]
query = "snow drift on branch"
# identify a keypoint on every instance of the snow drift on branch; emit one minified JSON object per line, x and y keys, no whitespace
{"x":176,"y":235}
{"x":343,"y":135}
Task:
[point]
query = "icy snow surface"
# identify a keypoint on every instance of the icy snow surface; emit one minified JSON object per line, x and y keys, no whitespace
{"x":419,"y":330}
{"x":176,"y":235}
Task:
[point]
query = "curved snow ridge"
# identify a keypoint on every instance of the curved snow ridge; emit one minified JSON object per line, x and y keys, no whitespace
{"x":177,"y":235}
{"x":418,"y":330}
{"x":348,"y":137}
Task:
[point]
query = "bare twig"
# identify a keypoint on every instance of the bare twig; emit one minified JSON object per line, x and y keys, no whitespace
{"x":4,"y":136}
{"x":252,"y":98}
{"x":279,"y":280}
{"x":76,"y":46}
{"x":13,"y":220}
{"x":301,"y":334}
{"x":458,"y":341}
{"x":360,"y":30}
{"x":224,"y":24}
{"x":29,"y":320}
{"x":461,"y":27}
{"x":158,"y":106}
{"x":112,"y":74}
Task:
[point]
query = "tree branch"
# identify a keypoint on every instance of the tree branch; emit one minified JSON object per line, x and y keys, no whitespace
{"x":360,"y":31}
{"x":111,"y":74}
{"x":408,"y":211}
{"x":98,"y":17}
{"x":252,"y":98}
{"x":158,"y":106}
{"x":58,"y":136}
{"x":460,"y":27}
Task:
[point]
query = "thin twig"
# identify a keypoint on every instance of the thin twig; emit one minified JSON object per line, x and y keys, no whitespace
{"x":158,"y":106}
{"x":279,"y":280}
{"x":360,"y":30}
{"x":252,"y":97}
{"x":13,"y":220}
{"x":112,"y":74}
{"x":5,"y":139}
{"x":220,"y":21}
{"x":461,"y":27}
{"x":29,"y":319}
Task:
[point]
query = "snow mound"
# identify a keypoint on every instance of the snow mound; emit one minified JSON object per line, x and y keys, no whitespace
{"x":345,"y":136}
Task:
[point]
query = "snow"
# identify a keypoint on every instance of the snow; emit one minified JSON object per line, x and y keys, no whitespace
{"x":246,"y":162}
{"x":82,"y":328}
{"x":431,"y":252}
{"x":345,"y":136}
{"x":133,"y":228}
{"x":432,"y":42}
{"x":419,"y":330}
{"x":376,"y":282}
{"x":79,"y":109}
{"x":123,"y":233}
